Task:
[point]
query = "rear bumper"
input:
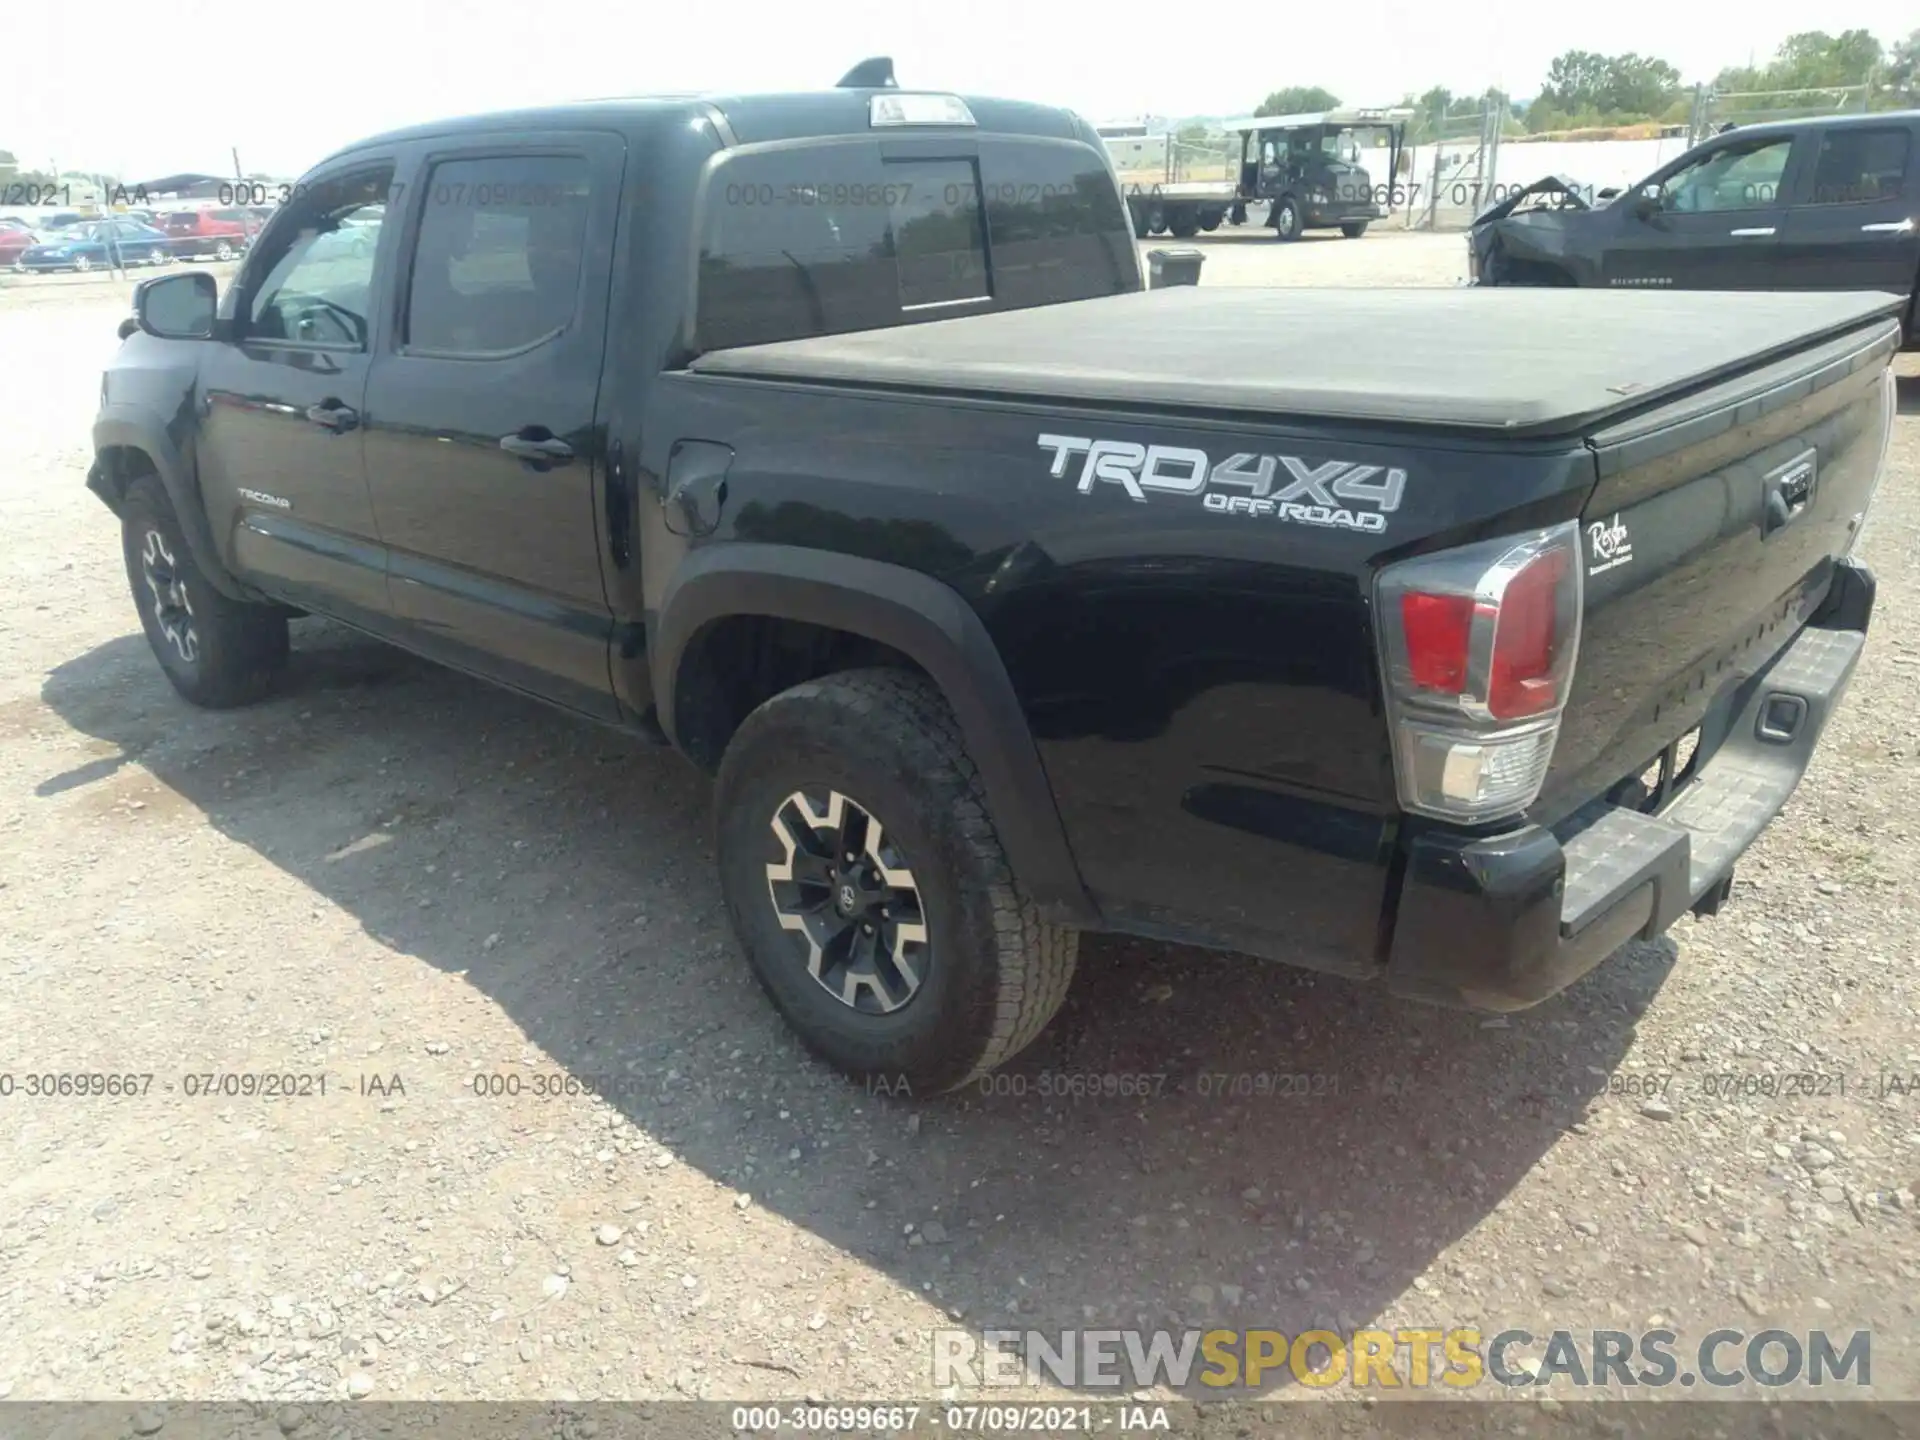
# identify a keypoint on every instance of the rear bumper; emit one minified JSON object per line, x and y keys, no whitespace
{"x":1501,"y":923}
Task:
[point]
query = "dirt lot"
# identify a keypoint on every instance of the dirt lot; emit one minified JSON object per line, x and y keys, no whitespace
{"x":411,"y":883}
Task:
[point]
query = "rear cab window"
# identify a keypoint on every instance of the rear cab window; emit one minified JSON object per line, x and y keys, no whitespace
{"x":1860,"y":165}
{"x":862,"y":233}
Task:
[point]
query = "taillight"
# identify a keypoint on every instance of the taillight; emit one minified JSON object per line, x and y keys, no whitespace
{"x":1478,"y":646}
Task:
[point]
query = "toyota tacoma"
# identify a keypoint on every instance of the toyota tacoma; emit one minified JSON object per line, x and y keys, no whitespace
{"x":833,"y":439}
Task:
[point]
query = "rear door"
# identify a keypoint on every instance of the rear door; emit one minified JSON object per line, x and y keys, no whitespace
{"x":1717,"y":221}
{"x":1855,"y":220}
{"x":481,"y":438}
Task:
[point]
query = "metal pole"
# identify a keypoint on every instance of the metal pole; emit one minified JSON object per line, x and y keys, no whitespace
{"x":1497,"y":122}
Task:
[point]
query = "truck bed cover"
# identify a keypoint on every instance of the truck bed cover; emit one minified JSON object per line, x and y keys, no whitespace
{"x":1515,"y":361}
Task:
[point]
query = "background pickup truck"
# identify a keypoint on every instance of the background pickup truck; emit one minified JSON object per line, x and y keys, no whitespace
{"x":1822,"y":204}
{"x":832,"y":439}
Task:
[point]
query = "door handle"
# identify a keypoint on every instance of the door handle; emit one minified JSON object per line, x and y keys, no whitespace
{"x":1890,"y":227}
{"x":537,"y":445}
{"x":334,"y":416}
{"x":1755,"y":230}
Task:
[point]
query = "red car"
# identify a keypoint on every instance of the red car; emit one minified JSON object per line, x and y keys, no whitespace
{"x":222,"y":233}
{"x":14,"y":241}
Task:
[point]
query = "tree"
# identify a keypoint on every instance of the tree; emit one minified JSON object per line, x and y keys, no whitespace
{"x":1811,"y":60}
{"x":1803,"y":74}
{"x":1900,"y":78}
{"x":1639,"y":85}
{"x":1586,"y":88}
{"x":1298,"y":100}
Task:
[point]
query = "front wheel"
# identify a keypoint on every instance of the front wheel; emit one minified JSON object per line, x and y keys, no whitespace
{"x":1286,"y":218}
{"x":83,"y":263}
{"x":223,"y":251}
{"x":867,"y":885}
{"x":217,"y":652}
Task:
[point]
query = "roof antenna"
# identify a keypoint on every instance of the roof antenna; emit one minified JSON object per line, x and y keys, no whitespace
{"x":874,"y":74}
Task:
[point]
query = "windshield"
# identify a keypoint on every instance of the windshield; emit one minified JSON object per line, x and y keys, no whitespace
{"x":1341,"y":145}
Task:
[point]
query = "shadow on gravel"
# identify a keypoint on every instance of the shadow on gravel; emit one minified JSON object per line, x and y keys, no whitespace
{"x":1303,"y":1149}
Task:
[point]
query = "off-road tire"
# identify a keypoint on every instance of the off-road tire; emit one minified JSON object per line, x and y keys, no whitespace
{"x":236,"y":651}
{"x":994,"y":972}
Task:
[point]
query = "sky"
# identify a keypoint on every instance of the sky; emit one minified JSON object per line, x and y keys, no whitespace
{"x":152,"y":91}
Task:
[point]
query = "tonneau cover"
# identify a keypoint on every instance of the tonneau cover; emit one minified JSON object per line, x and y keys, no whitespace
{"x":1540,"y":361}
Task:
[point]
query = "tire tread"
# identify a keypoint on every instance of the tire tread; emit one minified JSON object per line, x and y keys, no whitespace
{"x":1034,"y":960}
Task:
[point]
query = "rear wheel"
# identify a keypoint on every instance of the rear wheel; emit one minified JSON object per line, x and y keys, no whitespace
{"x":223,"y":251}
{"x":83,"y":263}
{"x":1286,"y":218}
{"x":1184,"y":224}
{"x":867,"y":885}
{"x":217,"y":652}
{"x":1354,"y":229}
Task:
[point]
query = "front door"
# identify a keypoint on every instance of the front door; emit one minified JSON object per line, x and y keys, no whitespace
{"x":279,"y":449}
{"x":481,"y":433}
{"x":1711,"y":223}
{"x":1855,"y":221}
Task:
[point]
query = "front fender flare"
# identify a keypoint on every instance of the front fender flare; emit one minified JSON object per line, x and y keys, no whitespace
{"x":930,"y":624}
{"x":130,"y":427}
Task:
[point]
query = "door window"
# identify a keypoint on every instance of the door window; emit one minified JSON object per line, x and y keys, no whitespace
{"x":497,"y":261}
{"x":1858,"y":164}
{"x":1734,"y":177}
{"x":317,"y":288}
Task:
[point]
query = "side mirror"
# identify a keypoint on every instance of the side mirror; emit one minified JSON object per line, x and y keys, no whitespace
{"x":1609,"y":192}
{"x":177,"y":307}
{"x":1645,"y":203}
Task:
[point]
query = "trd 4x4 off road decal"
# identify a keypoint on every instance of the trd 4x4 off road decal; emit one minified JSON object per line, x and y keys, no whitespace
{"x":1335,"y":493}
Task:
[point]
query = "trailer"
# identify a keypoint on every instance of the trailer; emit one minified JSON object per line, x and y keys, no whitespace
{"x":1306,"y":169}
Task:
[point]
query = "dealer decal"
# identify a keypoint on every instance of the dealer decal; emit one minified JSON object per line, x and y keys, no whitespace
{"x":1612,"y":546}
{"x":1335,"y":494}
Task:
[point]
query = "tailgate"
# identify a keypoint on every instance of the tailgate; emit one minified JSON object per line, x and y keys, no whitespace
{"x":1708,"y":543}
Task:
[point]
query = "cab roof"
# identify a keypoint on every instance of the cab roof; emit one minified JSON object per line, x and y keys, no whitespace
{"x":1348,"y":115}
{"x":749,"y":118}
{"x":1820,"y":122}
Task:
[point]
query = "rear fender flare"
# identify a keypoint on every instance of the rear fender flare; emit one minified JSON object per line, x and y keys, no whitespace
{"x":922,"y":619}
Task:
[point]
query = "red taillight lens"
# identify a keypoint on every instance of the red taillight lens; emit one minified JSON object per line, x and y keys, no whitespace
{"x":1521,"y":681}
{"x":1477,"y":649}
{"x":1437,"y":629}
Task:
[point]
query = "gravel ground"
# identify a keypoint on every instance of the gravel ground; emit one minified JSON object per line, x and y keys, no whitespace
{"x":411,"y":883}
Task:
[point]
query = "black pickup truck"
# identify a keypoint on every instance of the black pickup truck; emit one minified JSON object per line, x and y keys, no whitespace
{"x":833,"y":439}
{"x":1831,"y":203}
